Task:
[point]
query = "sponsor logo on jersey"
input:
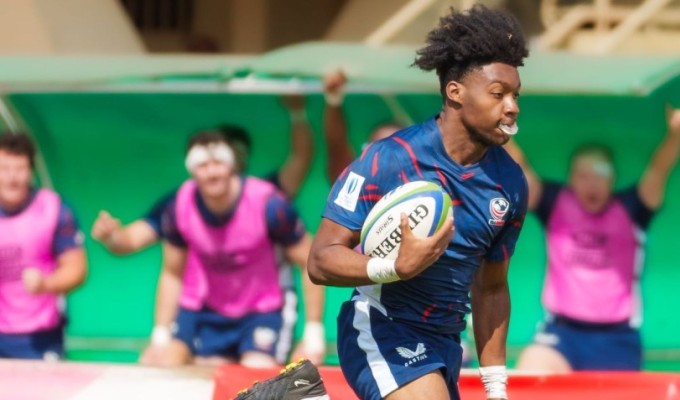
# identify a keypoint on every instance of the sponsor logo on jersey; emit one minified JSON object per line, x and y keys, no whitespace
{"x":349,"y":194}
{"x":498,"y":208}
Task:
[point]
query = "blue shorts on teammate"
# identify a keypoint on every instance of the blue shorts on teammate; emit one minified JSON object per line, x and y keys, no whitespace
{"x":41,"y":345}
{"x":593,"y":347}
{"x":208,"y":333}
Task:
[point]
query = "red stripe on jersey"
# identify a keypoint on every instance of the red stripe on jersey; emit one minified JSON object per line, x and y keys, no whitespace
{"x":456,"y":202}
{"x":371,"y":186}
{"x":363,"y":153}
{"x":427,"y":312}
{"x":343,"y":173}
{"x":467,"y":175}
{"x":505,"y":252}
{"x":441,"y":176}
{"x":409,"y":150}
{"x":374,"y":167}
{"x":404,"y":178}
{"x":370,"y":196}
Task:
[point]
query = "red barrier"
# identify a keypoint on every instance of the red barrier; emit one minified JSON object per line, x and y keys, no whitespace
{"x":576,"y":386}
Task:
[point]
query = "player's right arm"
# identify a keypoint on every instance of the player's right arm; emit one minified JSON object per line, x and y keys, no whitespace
{"x":533,"y":180}
{"x":338,"y":149}
{"x":134,"y":236}
{"x":119,"y":239}
{"x":333,"y":262}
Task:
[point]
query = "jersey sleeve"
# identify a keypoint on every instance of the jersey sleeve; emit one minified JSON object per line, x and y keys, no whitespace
{"x":155,"y":215}
{"x":503,"y":245}
{"x":361,"y":185}
{"x":169,"y":229}
{"x":546,"y":203}
{"x":283,"y":222}
{"x":637,"y":210}
{"x":67,"y":236}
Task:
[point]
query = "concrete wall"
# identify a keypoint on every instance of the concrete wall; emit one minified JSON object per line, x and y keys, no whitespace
{"x":66,"y":27}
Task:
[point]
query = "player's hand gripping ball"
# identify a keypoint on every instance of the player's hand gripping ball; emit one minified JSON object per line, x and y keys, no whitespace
{"x":426,"y":205}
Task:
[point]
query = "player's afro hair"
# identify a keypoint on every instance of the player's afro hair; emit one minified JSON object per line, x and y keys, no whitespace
{"x":467,"y":40}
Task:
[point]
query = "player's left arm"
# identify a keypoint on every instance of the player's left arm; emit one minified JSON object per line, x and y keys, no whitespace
{"x":490,"y":317}
{"x":287,"y":229}
{"x":294,"y":170}
{"x":71,"y":268}
{"x":653,"y":184}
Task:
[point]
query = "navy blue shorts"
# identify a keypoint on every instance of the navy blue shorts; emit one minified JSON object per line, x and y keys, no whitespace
{"x":378,"y":355}
{"x":42,"y":345}
{"x":593,"y":347}
{"x":209,"y":333}
{"x":184,"y":327}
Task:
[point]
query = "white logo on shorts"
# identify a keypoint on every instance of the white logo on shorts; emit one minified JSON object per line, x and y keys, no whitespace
{"x":264,"y":338}
{"x":349,"y":194}
{"x":413,"y":356}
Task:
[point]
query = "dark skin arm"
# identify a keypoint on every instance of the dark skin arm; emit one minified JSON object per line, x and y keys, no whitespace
{"x":340,"y":152}
{"x":491,"y":311}
{"x":333,"y":261}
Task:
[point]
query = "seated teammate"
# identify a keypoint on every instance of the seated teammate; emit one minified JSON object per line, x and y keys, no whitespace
{"x":220,"y":233}
{"x":146,"y":231}
{"x":41,"y":257}
{"x":594,"y":242}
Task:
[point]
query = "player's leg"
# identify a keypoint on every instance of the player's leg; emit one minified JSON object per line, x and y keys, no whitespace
{"x":380,"y":357}
{"x":539,"y":357}
{"x":180,"y":349}
{"x":428,"y":387}
{"x":552,"y":351}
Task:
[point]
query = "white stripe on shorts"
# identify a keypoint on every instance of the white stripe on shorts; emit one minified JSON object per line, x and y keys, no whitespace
{"x":379,"y":368}
{"x":289,"y":314}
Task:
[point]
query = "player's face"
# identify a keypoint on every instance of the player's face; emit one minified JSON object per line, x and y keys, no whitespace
{"x":488,"y":103}
{"x":15,"y":179}
{"x":592,"y":180}
{"x":213,"y":178}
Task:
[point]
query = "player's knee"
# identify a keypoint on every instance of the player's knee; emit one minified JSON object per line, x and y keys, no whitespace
{"x":542,"y":359}
{"x":254,"y":359}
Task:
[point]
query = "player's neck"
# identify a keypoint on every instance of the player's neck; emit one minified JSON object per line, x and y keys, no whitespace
{"x":458,"y":141}
{"x":220,"y":205}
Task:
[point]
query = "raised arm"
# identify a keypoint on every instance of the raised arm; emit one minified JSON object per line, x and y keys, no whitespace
{"x":338,"y":149}
{"x":294,"y":170}
{"x":653,"y":184}
{"x":533,"y":181}
{"x":490,"y":317}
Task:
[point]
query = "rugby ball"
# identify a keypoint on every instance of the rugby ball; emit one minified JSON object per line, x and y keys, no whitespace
{"x":426,"y":205}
